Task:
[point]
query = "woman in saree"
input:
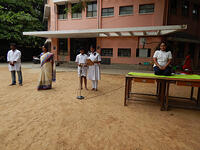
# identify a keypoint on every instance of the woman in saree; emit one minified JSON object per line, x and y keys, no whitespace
{"x":47,"y":74}
{"x":187,"y":67}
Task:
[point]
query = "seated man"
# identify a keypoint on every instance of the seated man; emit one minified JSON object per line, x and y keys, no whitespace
{"x":162,"y":59}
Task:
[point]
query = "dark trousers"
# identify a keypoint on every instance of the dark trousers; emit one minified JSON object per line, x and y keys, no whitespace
{"x":166,"y":72}
{"x":19,"y":73}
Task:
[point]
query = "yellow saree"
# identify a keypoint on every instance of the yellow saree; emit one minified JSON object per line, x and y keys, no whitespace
{"x":47,"y":74}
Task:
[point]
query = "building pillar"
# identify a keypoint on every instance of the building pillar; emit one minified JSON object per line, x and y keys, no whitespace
{"x":55,"y":18}
{"x":98,"y":45}
{"x":69,"y":14}
{"x":99,"y":18}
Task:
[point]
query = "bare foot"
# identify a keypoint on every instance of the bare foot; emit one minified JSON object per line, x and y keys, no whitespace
{"x":86,"y":88}
{"x":96,"y":90}
{"x":93,"y":89}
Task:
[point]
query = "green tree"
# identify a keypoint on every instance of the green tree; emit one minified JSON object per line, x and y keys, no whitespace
{"x":18,"y":16}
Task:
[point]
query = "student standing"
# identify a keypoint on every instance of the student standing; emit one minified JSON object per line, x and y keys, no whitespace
{"x":82,"y":67}
{"x":162,"y":59}
{"x":94,"y":70}
{"x":14,"y":64}
{"x":48,"y":72}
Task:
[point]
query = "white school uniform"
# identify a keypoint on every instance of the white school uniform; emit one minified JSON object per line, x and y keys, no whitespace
{"x":14,"y":56}
{"x":81,"y":59}
{"x":94,"y":70}
{"x":162,"y":57}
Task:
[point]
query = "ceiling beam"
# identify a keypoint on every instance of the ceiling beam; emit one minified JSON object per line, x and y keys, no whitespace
{"x":118,"y":33}
{"x":107,"y":34}
{"x":164,"y":32}
{"x":114,"y":34}
{"x":131,"y":33}
{"x":138,"y":33}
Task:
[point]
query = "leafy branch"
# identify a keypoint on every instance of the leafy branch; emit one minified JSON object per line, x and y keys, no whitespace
{"x":79,"y":6}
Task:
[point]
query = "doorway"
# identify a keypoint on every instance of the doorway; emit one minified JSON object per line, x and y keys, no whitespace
{"x":77,"y":43}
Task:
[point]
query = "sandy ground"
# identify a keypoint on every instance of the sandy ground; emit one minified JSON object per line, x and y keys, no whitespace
{"x":56,"y":120}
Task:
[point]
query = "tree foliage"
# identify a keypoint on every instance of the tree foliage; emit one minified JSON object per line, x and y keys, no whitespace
{"x":18,"y":16}
{"x":79,"y":6}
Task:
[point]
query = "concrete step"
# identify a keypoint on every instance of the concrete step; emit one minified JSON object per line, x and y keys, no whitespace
{"x":111,"y":66}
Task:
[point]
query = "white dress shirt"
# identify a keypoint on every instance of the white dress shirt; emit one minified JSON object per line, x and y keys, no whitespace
{"x":81,"y":59}
{"x":14,"y":56}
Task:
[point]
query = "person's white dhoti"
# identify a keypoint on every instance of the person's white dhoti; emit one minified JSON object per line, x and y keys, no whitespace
{"x":82,"y":71}
{"x":81,"y":60}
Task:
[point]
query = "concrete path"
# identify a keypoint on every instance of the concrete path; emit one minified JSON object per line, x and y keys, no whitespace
{"x":106,"y":69}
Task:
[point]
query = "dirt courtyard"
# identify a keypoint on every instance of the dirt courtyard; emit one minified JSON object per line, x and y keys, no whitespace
{"x":56,"y":120}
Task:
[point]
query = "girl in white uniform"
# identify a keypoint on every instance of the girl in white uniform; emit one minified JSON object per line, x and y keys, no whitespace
{"x":94,"y":70}
{"x":162,"y":59}
{"x":82,"y":67}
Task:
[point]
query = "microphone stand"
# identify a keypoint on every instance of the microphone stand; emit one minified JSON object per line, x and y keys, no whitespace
{"x":80,"y":97}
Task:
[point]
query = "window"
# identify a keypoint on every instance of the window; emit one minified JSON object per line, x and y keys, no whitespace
{"x":173,"y":7}
{"x":77,"y":12}
{"x":125,"y":10}
{"x":106,"y":52}
{"x":124,"y":52}
{"x":195,"y":11}
{"x":63,"y":46}
{"x":146,"y":8}
{"x":143,"y":52}
{"x":108,"y":11}
{"x":185,"y":8}
{"x":92,"y":9}
{"x":61,"y":12}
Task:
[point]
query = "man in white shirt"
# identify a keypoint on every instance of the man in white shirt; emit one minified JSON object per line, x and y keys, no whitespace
{"x":14,"y":64}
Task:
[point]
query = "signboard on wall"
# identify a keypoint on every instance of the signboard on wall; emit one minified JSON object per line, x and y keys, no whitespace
{"x":143,"y":52}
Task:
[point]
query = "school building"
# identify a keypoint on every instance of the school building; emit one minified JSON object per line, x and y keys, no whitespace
{"x":123,"y":31}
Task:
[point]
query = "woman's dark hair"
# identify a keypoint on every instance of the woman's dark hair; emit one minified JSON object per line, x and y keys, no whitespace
{"x":92,"y":46}
{"x":46,"y":46}
{"x":163,"y":42}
